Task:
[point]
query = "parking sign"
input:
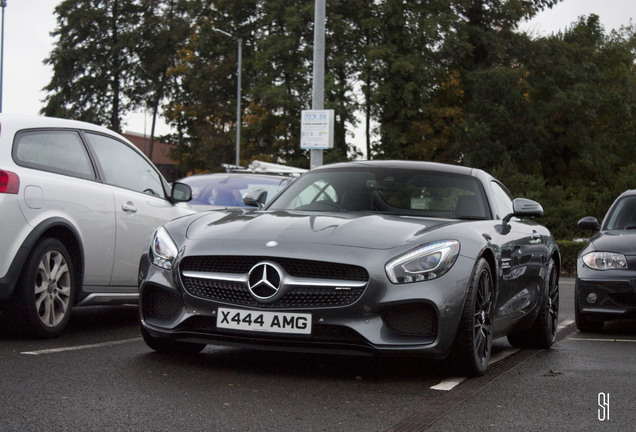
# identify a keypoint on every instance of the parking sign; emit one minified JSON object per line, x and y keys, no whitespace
{"x":316,"y":129}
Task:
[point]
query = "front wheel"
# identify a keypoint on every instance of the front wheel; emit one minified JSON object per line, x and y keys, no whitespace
{"x":42,"y":302}
{"x":473,"y":343}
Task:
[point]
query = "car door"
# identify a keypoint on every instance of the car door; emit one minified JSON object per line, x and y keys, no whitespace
{"x":59,"y":181}
{"x":523,"y":257}
{"x":141,"y":204}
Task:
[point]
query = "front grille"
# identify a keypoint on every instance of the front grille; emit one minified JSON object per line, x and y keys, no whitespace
{"x":295,"y":267}
{"x":237,"y":293}
{"x":417,"y":319}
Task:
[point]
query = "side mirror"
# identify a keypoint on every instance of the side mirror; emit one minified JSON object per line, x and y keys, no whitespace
{"x":589,"y":223}
{"x":524,"y":208}
{"x":255,"y":198}
{"x":180,"y":192}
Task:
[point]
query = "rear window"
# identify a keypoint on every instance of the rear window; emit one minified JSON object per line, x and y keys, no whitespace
{"x":61,"y":152}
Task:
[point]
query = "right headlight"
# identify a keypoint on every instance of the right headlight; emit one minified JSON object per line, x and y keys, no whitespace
{"x":163,"y":249}
{"x":426,"y":262}
{"x":605,"y":261}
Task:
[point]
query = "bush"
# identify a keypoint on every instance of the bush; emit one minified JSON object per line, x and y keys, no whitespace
{"x":569,"y":252}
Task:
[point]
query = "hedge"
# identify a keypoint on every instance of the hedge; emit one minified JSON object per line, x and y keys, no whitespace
{"x":569,"y":252}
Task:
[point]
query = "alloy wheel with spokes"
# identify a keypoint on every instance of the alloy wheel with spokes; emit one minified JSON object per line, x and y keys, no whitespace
{"x":483,"y":317}
{"x":52,"y":288}
{"x":42,"y":301}
{"x":473,"y":344}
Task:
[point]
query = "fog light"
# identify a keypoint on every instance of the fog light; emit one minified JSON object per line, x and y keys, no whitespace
{"x":592,"y":297}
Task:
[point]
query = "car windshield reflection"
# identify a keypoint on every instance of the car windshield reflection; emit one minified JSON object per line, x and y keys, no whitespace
{"x":372,"y":190}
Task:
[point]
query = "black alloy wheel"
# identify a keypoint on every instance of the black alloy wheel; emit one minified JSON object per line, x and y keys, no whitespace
{"x":473,"y":344}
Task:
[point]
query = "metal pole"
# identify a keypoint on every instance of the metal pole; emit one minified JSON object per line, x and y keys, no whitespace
{"x":318,"y":88}
{"x":238,"y":90}
{"x":3,"y":4}
{"x":238,"y":101}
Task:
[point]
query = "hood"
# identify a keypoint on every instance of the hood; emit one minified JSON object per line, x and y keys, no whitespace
{"x":620,"y":241}
{"x":372,"y":231}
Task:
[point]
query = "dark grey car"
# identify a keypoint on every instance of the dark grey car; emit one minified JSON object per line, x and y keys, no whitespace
{"x":372,"y":257}
{"x":606,"y":267}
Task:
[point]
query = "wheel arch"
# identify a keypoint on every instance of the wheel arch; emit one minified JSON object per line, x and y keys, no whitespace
{"x":68,"y":235}
{"x":489,"y":255}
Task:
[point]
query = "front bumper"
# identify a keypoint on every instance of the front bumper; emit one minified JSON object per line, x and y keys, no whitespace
{"x":419,"y":318}
{"x":608,"y":298}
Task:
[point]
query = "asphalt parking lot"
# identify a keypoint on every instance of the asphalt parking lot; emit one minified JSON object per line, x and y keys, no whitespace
{"x":100,"y":375}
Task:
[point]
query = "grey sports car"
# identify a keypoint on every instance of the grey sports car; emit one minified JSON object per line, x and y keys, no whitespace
{"x":368,"y":257}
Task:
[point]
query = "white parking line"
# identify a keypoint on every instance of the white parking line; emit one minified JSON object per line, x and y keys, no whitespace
{"x":564,"y":324}
{"x":603,"y":340}
{"x":81,"y":347}
{"x":448,"y":384}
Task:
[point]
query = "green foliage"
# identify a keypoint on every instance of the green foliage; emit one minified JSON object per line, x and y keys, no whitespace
{"x":569,"y":252}
{"x":443,"y":80}
{"x":92,"y":61}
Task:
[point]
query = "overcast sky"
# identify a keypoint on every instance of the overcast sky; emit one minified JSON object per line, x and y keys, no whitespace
{"x":27,"y":24}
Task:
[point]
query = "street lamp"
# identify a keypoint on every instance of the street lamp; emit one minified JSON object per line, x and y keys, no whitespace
{"x":3,"y":4}
{"x":238,"y":91}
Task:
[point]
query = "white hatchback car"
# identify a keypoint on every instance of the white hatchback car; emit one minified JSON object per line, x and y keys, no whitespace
{"x":79,"y":204}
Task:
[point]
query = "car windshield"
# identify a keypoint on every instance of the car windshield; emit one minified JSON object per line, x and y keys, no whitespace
{"x":386,"y":190}
{"x":228,"y":190}
{"x":622,"y":215}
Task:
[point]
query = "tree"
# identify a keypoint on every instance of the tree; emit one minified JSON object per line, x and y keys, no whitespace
{"x":92,"y":61}
{"x":163,"y":29}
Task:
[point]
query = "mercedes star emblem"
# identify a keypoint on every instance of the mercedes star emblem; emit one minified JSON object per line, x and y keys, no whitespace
{"x":264,"y":280}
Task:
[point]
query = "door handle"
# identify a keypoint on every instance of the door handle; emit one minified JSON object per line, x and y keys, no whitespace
{"x":129,"y":207}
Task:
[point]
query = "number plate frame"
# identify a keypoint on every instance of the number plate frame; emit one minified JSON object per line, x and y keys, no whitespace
{"x":264,"y":321}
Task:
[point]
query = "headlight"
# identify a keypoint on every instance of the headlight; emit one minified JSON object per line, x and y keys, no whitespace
{"x":605,"y":261}
{"x":163,"y":249}
{"x":424,"y":263}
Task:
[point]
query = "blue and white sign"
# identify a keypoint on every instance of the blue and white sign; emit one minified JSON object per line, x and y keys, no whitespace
{"x":316,"y":129}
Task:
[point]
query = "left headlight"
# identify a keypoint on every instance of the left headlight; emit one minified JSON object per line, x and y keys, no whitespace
{"x":605,"y":261}
{"x":163,"y":249}
{"x":426,"y":262}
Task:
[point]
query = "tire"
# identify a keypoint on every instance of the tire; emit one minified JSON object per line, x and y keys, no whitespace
{"x":585,"y":324}
{"x":543,"y":332}
{"x":43,"y":299}
{"x":170,"y":346}
{"x":473,"y":343}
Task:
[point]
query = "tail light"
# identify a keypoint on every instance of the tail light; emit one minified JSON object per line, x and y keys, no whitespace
{"x":9,"y":182}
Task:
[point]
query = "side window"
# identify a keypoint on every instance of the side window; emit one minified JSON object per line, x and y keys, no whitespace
{"x":61,"y":152}
{"x":318,"y":191}
{"x":503,"y":201}
{"x":124,"y":167}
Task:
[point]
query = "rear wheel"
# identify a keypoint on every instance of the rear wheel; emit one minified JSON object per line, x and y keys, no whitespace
{"x":473,"y":343}
{"x":169,"y":345}
{"x":42,"y":302}
{"x":542,"y":334}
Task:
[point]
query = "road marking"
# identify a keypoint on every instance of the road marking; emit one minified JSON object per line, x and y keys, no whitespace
{"x":564,"y":324}
{"x":602,"y":340}
{"x":81,"y":347}
{"x":448,"y":384}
